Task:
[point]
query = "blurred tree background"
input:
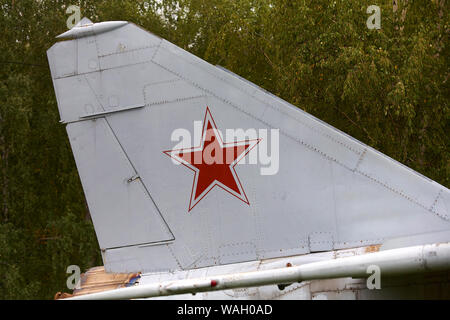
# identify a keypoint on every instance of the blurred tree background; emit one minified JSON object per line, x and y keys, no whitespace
{"x":389,"y":88}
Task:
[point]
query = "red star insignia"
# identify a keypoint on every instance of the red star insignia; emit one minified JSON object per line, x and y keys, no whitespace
{"x":213,"y":162}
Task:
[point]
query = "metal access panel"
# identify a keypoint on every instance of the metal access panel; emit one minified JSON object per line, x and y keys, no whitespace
{"x":122,"y":211}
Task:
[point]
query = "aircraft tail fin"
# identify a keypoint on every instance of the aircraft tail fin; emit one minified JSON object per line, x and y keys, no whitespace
{"x":138,"y":110}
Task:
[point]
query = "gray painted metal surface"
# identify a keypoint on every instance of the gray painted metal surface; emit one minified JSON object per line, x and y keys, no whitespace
{"x":122,"y":92}
{"x":394,"y":262}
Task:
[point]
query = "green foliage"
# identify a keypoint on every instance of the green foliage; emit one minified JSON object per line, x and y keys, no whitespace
{"x":388,"y":88}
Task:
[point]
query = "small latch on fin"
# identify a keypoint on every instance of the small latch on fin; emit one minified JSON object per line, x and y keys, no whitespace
{"x":136,"y":176}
